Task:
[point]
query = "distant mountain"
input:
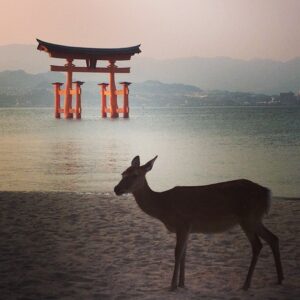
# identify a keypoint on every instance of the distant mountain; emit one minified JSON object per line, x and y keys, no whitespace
{"x":256,"y":76}
{"x":22,"y":80}
{"x":18,"y":88}
{"x":155,"y":87}
{"x":156,"y":93}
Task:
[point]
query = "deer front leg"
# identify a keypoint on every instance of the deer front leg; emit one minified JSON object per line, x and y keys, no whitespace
{"x":181,"y":240}
{"x":256,"y":247}
{"x":182,"y":268}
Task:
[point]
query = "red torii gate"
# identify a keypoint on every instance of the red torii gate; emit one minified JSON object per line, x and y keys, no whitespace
{"x":91,"y":56}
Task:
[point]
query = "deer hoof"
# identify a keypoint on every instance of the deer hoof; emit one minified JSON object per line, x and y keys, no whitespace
{"x":173,"y":288}
{"x":245,"y":287}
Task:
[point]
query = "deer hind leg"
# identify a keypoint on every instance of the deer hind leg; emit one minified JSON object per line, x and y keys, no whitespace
{"x":256,"y":247}
{"x":273,"y":242}
{"x":182,"y":268}
{"x":181,"y":241}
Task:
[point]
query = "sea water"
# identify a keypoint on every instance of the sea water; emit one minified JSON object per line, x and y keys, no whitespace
{"x":195,"y":146}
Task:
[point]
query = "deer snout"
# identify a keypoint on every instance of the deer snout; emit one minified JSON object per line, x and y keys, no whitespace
{"x":117,"y":190}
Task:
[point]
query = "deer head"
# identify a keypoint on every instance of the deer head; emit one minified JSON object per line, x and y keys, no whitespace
{"x":133,"y":178}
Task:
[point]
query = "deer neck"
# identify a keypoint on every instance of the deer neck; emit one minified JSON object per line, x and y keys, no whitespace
{"x":147,"y":200}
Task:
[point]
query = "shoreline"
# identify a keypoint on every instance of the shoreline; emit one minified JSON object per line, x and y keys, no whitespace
{"x":66,"y":245}
{"x":112,"y":194}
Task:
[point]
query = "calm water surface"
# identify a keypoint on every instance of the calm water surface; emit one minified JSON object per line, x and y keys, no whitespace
{"x":195,"y":146}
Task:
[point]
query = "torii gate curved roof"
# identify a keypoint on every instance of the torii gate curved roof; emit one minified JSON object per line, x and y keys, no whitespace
{"x":62,"y":51}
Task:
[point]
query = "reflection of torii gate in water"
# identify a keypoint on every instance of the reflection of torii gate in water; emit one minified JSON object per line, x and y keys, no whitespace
{"x":91,"y":56}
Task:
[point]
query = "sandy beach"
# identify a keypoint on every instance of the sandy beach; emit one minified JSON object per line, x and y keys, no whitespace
{"x":58,"y":245}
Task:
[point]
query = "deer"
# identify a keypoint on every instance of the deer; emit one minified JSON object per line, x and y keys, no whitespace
{"x":204,"y":209}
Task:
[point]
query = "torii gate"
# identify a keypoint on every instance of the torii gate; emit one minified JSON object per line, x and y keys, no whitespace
{"x":91,"y":56}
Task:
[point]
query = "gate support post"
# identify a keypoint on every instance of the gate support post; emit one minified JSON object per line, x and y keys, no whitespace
{"x":68,"y":96}
{"x":78,"y":98}
{"x":56,"y":86}
{"x":103,"y":86}
{"x":112,"y":87}
{"x":125,"y":99}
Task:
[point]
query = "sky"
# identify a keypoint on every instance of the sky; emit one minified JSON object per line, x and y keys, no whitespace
{"x":243,"y":29}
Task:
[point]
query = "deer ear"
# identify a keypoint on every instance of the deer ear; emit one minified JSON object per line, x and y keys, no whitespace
{"x":135,"y":162}
{"x":148,"y":166}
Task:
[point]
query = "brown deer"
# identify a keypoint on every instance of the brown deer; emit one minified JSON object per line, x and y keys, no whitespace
{"x":206,"y":209}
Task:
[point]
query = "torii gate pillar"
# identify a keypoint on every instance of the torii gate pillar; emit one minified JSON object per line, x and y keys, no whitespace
{"x":125,"y":101}
{"x":77,"y":92}
{"x":112,"y":88}
{"x":68,"y":96}
{"x":103,"y":93}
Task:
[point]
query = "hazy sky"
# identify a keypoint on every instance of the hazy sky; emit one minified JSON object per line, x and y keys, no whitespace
{"x":165,"y":28}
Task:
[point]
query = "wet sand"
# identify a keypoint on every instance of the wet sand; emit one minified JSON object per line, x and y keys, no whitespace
{"x":97,"y":246}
